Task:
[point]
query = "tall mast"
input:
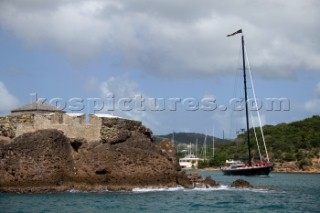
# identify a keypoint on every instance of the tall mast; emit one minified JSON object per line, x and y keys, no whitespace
{"x":172,"y":139}
{"x":246,"y":98}
{"x":205,"y":147}
{"x":213,"y":143}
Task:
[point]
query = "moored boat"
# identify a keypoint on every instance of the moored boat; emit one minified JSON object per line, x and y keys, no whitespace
{"x":240,"y":168}
{"x":249,"y":168}
{"x":189,"y":162}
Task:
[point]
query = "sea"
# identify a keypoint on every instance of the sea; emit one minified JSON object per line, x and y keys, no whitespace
{"x":286,"y":193}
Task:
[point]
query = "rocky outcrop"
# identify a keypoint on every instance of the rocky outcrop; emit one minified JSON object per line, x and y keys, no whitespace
{"x":209,"y":182}
{"x":198,"y":181}
{"x":42,"y":158}
{"x":171,"y":153}
{"x":296,"y":167}
{"x":117,"y":130}
{"x":183,"y":180}
{"x":241,"y":183}
{"x":126,"y":157}
{"x":135,"y":162}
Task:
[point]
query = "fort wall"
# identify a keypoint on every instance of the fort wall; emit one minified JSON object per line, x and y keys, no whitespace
{"x":73,"y":125}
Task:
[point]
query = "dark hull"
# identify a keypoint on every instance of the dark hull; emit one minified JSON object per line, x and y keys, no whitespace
{"x":250,"y":171}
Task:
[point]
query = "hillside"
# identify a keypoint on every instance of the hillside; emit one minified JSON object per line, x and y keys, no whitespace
{"x":292,"y":146}
{"x":185,"y":137}
{"x":183,"y":140}
{"x":295,"y":145}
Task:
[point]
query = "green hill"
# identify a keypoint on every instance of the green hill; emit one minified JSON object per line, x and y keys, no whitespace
{"x":298,"y":142}
{"x":186,"y":138}
{"x":183,"y":139}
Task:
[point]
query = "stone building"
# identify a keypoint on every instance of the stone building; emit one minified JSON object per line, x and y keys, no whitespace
{"x":36,"y":107}
{"x":39,"y":115}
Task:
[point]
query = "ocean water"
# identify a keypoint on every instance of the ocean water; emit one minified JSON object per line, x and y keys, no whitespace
{"x":290,"y":193}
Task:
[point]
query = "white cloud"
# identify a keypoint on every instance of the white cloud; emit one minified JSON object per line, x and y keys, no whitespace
{"x":8,"y":101}
{"x":313,"y":105}
{"x":167,"y":38}
{"x":317,"y":90}
{"x":121,"y":88}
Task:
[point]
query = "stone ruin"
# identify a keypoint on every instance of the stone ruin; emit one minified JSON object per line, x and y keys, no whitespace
{"x":39,"y":115}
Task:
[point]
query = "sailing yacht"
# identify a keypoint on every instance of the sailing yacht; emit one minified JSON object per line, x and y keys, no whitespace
{"x":249,"y":168}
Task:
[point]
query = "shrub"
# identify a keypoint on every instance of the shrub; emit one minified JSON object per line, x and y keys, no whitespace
{"x":288,"y":157}
{"x":304,"y":163}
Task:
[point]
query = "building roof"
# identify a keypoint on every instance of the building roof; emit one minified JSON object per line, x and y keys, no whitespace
{"x":37,"y":106}
{"x":106,"y":116}
{"x":75,"y":114}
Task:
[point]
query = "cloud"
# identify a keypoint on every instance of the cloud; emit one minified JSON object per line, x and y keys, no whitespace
{"x":8,"y":101}
{"x":313,"y":105}
{"x":121,"y":88}
{"x":166,"y":38}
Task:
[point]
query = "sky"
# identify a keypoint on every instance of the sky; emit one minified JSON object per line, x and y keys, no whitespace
{"x":166,"y":63}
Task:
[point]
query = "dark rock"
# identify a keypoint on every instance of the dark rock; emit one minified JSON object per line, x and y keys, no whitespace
{"x":198,"y":181}
{"x":183,"y":180}
{"x":60,"y":182}
{"x":240,"y":183}
{"x":209,"y":182}
{"x":76,"y":143}
{"x":101,"y":171}
{"x":195,"y":177}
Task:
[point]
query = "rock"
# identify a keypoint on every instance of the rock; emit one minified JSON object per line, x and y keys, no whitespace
{"x":183,"y":180}
{"x":209,"y":182}
{"x":48,"y":161}
{"x":195,"y":177}
{"x":170,"y":152}
{"x":76,"y":143}
{"x":35,"y":159}
{"x":5,"y":140}
{"x":137,"y":162}
{"x":118,"y":130}
{"x":199,"y":182}
{"x":240,"y":183}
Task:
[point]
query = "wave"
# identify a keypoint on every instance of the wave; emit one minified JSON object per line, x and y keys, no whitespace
{"x":180,"y":188}
{"x":169,"y":189}
{"x":74,"y":191}
{"x":85,"y":191}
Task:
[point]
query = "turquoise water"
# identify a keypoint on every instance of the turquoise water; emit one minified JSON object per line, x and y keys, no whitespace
{"x":291,"y":193}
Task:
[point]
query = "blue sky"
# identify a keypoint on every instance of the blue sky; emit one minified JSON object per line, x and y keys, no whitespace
{"x":162,"y":50}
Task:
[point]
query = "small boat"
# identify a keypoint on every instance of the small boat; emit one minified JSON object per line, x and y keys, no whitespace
{"x":249,"y":168}
{"x":190,"y":161}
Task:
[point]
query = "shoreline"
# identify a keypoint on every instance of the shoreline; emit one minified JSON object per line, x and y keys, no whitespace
{"x":274,"y":171}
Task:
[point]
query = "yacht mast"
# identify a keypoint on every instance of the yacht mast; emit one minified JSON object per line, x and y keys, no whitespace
{"x":246,"y":98}
{"x":213,"y":144}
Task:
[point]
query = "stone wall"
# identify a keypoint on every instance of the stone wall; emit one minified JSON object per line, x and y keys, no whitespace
{"x":73,"y":125}
{"x":10,"y":123}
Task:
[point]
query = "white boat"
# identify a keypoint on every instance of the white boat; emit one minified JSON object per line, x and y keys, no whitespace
{"x":190,"y":161}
